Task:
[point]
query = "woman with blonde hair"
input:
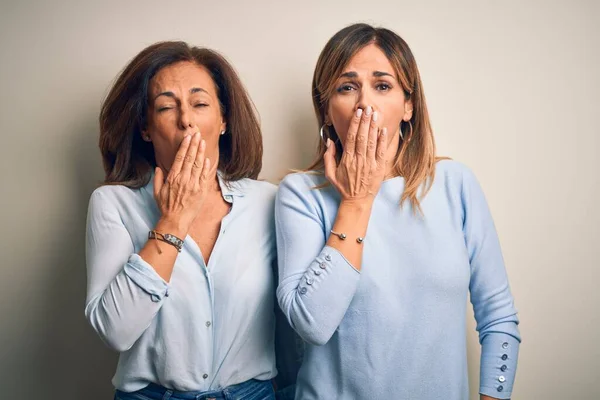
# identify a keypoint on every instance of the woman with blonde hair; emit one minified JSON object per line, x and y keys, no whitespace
{"x":380,"y":242}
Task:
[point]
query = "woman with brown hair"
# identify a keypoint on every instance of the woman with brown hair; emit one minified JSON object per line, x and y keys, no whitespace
{"x":180,"y":238}
{"x":381,"y":242}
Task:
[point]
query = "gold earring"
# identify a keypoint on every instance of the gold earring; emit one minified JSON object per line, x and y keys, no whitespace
{"x":409,"y":136}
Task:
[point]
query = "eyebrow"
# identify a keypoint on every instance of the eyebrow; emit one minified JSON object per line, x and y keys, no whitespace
{"x":196,"y":90}
{"x":171,"y":94}
{"x":352,"y":74}
{"x":382,"y":73}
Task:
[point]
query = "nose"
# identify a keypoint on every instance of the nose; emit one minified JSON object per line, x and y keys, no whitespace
{"x":185,"y":117}
{"x":364,"y":100}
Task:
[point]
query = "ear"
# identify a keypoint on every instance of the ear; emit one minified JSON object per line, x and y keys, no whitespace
{"x":223,"y":127}
{"x":146,"y":136}
{"x":408,"y":111}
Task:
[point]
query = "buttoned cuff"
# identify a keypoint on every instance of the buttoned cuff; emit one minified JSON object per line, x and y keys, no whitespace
{"x":329,"y":269}
{"x":329,"y":283}
{"x":499,"y":355}
{"x":146,"y":277}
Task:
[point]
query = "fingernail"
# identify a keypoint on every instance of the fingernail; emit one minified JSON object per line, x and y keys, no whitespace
{"x":187,"y":137}
{"x":368,"y":111}
{"x":203,"y":144}
{"x":384,"y":132}
{"x":375,"y":116}
{"x":359,"y":112}
{"x":328,"y":143}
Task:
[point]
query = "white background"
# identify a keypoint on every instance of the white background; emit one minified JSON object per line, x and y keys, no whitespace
{"x":512,"y":88}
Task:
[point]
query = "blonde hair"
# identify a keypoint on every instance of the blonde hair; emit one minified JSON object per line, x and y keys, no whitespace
{"x":416,"y":157}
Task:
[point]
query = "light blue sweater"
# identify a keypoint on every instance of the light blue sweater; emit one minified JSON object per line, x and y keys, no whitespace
{"x":396,"y":328}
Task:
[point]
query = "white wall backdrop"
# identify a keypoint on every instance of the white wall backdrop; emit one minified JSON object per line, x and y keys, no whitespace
{"x":513,"y":91}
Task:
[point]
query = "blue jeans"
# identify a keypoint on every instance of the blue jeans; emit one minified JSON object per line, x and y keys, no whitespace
{"x":249,"y":390}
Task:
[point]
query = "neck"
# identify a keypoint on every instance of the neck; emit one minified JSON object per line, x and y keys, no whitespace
{"x":392,"y":151}
{"x":213,"y":182}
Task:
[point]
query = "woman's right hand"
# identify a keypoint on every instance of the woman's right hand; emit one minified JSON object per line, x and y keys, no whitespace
{"x":362,"y":167}
{"x":180,"y":196}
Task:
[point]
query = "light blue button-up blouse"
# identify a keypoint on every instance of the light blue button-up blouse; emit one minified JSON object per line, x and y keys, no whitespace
{"x":212,"y":325}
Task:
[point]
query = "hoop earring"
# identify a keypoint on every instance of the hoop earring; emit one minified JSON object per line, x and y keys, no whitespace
{"x":337,"y":140}
{"x":322,"y":135}
{"x":409,"y":134}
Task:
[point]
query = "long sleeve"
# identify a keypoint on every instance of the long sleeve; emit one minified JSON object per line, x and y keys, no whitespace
{"x":124,"y":293}
{"x":492,"y":300}
{"x":316,"y":282}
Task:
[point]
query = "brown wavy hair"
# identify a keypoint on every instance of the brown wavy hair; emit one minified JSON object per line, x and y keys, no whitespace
{"x":416,"y":157}
{"x":128,"y":160}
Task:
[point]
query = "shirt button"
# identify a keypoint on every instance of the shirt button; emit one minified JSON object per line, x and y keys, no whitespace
{"x":328,"y":257}
{"x":500,"y":388}
{"x":303,"y":290}
{"x":317,"y":272}
{"x":228,"y":197}
{"x":207,"y":324}
{"x":322,"y":265}
{"x":504,"y":356}
{"x":501,"y":379}
{"x":205,"y":376}
{"x":503,"y":368}
{"x":505,"y":345}
{"x":309,"y":281}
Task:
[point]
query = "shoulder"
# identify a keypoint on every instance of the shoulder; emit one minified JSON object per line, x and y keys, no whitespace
{"x":259,"y":186}
{"x":112,"y":195}
{"x":302,"y":181}
{"x":114,"y":204}
{"x":460,"y":181}
{"x":452,"y":168}
{"x":308,"y":191}
{"x":258,"y":190}
{"x":454,"y":174}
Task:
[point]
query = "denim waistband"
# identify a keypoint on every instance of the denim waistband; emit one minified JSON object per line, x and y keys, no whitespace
{"x":164,"y":393}
{"x":158,"y":392}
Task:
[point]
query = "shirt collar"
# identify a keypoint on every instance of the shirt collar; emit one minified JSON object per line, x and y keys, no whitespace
{"x":233,"y":188}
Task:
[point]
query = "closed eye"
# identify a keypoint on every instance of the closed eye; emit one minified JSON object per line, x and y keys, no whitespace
{"x":199,"y":105}
{"x":346,"y":88}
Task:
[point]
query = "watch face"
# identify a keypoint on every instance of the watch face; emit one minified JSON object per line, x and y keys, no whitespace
{"x":173,"y":239}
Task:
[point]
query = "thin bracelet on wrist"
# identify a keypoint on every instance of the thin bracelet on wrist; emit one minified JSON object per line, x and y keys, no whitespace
{"x":343,"y":236}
